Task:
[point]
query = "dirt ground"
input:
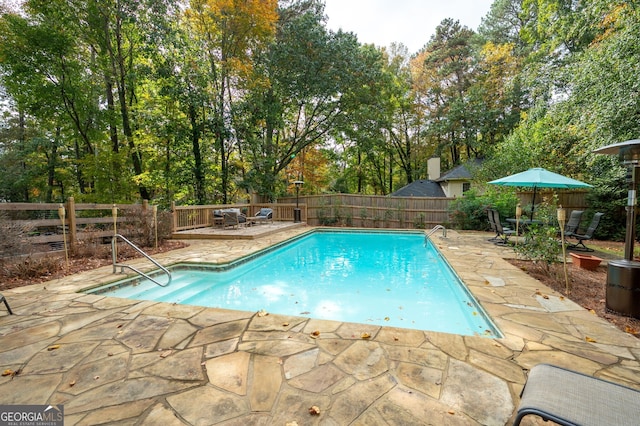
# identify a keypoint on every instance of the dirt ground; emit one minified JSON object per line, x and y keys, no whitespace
{"x":587,"y":288}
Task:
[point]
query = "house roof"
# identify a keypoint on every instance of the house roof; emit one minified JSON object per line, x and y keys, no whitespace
{"x":420,"y":188}
{"x":460,"y":172}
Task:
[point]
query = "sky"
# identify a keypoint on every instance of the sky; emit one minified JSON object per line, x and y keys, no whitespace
{"x":410,"y":22}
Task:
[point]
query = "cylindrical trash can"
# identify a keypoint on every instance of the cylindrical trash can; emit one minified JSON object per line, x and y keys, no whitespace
{"x":623,"y":287}
{"x":296,"y":215}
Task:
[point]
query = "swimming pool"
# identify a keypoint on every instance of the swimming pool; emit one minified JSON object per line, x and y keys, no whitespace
{"x":384,"y":278}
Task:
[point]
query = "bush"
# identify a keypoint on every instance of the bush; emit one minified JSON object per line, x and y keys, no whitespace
{"x":139,"y":227}
{"x":542,"y":244}
{"x":470,"y":212}
{"x":609,"y":196}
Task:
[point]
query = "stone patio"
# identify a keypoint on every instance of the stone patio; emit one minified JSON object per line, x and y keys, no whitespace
{"x":125,"y":362}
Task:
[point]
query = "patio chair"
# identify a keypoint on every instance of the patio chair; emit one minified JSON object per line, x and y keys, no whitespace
{"x":588,"y":235}
{"x":265,"y":214}
{"x":492,"y":225}
{"x":570,"y":398}
{"x":503,"y":232}
{"x":572,"y":225}
{"x":233,"y":218}
{"x":2,"y":299}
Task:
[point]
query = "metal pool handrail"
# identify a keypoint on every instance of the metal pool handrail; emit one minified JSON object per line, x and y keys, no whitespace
{"x":435,"y":228}
{"x":114,"y":255}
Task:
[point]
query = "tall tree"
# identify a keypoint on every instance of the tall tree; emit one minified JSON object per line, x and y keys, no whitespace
{"x":444,"y":72}
{"x":306,"y":73}
{"x":228,"y":31}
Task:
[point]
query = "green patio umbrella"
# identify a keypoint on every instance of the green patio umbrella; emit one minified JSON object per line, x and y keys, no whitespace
{"x":539,"y":178}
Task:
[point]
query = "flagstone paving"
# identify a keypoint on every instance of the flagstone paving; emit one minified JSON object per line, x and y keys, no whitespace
{"x":117,"y":361}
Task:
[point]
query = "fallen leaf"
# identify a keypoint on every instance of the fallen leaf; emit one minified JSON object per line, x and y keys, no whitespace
{"x":285,"y":324}
{"x":315,"y":334}
{"x":451,"y":412}
{"x":53,"y":348}
{"x":365,"y":336}
{"x":262,"y":313}
{"x":592,"y":311}
{"x":630,"y":330}
{"x":314,"y":410}
{"x":7,"y":372}
{"x":72,"y":383}
{"x":96,"y":377}
{"x":166,"y":353}
{"x":395,"y":339}
{"x":387,"y":318}
{"x":590,"y":340}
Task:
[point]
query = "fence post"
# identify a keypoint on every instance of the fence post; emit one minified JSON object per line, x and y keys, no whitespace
{"x":174,"y":216}
{"x":145,"y":205}
{"x":71,"y":220}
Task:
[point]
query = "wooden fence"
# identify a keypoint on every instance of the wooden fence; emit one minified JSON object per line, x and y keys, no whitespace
{"x":569,"y":199}
{"x":45,"y":226}
{"x":375,"y":211}
{"x":193,"y":217}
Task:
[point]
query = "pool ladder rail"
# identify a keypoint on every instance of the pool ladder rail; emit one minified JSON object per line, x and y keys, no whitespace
{"x":435,"y":228}
{"x":114,"y":255}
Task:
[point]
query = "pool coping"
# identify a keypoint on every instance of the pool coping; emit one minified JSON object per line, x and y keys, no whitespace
{"x":356,"y":373}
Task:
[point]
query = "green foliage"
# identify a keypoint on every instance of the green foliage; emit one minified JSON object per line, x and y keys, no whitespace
{"x":112,"y":101}
{"x":609,"y":196}
{"x":541,"y":240}
{"x":419,"y":222}
{"x":470,"y":211}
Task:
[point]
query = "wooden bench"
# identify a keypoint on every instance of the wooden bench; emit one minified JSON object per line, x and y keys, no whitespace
{"x":570,"y":398}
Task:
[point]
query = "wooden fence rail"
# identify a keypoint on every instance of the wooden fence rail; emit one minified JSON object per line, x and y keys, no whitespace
{"x":44,"y":226}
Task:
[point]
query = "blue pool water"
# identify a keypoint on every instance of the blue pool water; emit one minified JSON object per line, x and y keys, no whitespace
{"x":383,"y":278}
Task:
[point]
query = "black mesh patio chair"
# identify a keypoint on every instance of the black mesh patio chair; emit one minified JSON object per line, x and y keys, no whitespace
{"x":492,"y":225}
{"x":572,"y":225}
{"x":503,"y":232}
{"x":2,"y":299}
{"x":588,"y":235}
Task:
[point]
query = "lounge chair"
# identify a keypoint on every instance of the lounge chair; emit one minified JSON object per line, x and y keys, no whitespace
{"x":570,"y":398}
{"x":265,"y":214}
{"x":588,"y":235}
{"x":2,"y":299}
{"x":503,"y":232}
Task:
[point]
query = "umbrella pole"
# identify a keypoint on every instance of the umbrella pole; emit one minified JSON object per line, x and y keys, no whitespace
{"x":533,"y":203}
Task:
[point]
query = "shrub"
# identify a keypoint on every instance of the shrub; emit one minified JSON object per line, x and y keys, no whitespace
{"x":138,"y":227}
{"x":470,"y":211}
{"x":542,"y":244}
